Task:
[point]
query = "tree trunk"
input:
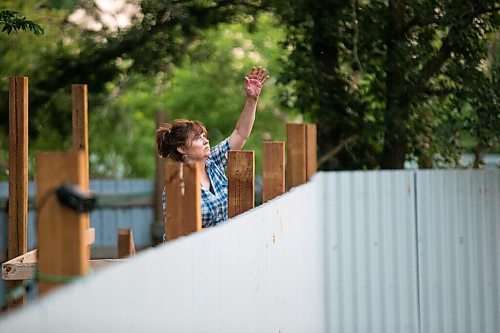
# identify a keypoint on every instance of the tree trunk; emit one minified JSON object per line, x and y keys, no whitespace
{"x":395,"y":139}
{"x":424,"y":144}
{"x":478,"y":157}
{"x":325,"y":51}
{"x":425,"y":161}
{"x":397,"y":104}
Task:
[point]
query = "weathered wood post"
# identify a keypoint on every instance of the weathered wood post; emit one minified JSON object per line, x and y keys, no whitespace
{"x":18,"y":171}
{"x":296,"y":169}
{"x":79,"y":101}
{"x":80,"y":123}
{"x":273,"y":170}
{"x":311,"y":154}
{"x":62,"y":242}
{"x":183,"y":199}
{"x":158,"y":227}
{"x":126,"y":247}
{"x":241,"y":176}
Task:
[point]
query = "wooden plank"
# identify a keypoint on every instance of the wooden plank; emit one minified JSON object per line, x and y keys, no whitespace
{"x":24,"y":270}
{"x":273,"y":170}
{"x":240,"y":175}
{"x":311,"y":151}
{"x":10,"y":269}
{"x":97,"y":264}
{"x":161,"y":117}
{"x":158,"y":227}
{"x":20,"y":267}
{"x":183,"y":196}
{"x":18,"y":171}
{"x":79,"y":101}
{"x":30,"y":256}
{"x":126,"y":247}
{"x":295,"y":155}
{"x":90,"y":236}
{"x":62,"y":241}
{"x":18,"y":271}
{"x":80,"y":118}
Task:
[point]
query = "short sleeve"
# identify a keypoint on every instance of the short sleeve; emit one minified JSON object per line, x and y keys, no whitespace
{"x":218,"y":154}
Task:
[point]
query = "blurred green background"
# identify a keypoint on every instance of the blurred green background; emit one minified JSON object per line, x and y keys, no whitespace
{"x":388,"y":82}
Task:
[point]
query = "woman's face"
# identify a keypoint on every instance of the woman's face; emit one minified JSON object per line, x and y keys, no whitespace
{"x":198,"y":147}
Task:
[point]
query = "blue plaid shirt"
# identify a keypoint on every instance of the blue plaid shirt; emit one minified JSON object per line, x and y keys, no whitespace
{"x":213,"y":205}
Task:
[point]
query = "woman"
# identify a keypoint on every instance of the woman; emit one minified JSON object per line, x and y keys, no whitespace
{"x":186,"y":141}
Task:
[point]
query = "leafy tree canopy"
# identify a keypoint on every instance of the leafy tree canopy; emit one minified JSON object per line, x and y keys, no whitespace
{"x":379,"y":77}
{"x":186,"y":58}
{"x":12,"y":22}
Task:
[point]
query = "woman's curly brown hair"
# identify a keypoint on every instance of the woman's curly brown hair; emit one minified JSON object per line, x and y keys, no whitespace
{"x":176,"y":134}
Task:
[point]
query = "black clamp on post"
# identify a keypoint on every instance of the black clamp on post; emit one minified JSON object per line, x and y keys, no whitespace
{"x":73,"y":197}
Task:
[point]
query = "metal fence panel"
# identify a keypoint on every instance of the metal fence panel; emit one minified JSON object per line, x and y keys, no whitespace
{"x":459,"y":251}
{"x":377,"y":251}
{"x":115,"y":213}
{"x":371,"y":254}
{"x":259,"y":272}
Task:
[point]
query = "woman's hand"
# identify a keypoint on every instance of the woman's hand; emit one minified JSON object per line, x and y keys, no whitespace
{"x":254,"y":82}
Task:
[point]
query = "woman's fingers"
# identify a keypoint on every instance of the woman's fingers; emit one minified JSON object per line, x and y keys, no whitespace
{"x":257,"y":74}
{"x":256,"y":77}
{"x":261,"y":73}
{"x":265,"y":80}
{"x":252,"y":73}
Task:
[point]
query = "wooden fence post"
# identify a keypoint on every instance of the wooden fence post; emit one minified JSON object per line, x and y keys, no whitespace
{"x":159,"y":219}
{"x":183,"y":196}
{"x":241,"y":175}
{"x":62,"y":241}
{"x":18,"y":171}
{"x":311,"y":154}
{"x":80,"y":124}
{"x":80,"y":120}
{"x":79,"y":101}
{"x":273,"y":170}
{"x":126,"y":247}
{"x":296,"y":169}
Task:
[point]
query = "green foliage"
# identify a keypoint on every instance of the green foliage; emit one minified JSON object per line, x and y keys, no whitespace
{"x":121,"y":132}
{"x":71,"y":54}
{"x":207,"y":85}
{"x":212,"y":91}
{"x":13,"y":23}
{"x":156,"y":41}
{"x":389,"y":74}
{"x":23,"y":55}
{"x":384,"y":81}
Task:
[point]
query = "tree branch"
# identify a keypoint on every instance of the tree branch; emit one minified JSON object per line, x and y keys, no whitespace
{"x":335,"y":150}
{"x":356,"y":34}
{"x":418,"y":22}
{"x":434,"y":64}
{"x":481,"y":12}
{"x":443,"y":92}
{"x":128,"y":41}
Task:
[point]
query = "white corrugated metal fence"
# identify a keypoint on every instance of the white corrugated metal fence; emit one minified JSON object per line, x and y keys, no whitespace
{"x":377,"y":251}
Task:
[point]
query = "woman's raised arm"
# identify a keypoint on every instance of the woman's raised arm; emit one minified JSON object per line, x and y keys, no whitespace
{"x":253,"y":86}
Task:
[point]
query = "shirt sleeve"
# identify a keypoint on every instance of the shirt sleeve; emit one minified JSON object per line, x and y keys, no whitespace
{"x":218,"y":153}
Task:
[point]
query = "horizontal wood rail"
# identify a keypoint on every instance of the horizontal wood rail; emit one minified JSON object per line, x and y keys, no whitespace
{"x":23,"y":266}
